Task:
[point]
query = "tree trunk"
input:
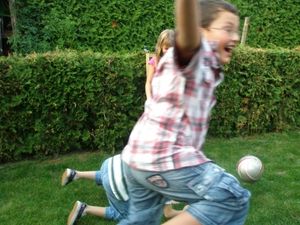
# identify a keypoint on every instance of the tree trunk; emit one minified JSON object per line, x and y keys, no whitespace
{"x":12,"y":10}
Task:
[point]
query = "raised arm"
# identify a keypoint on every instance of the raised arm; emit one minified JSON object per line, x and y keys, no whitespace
{"x":188,"y":36}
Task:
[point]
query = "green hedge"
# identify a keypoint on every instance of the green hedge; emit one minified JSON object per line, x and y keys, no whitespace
{"x":109,"y":25}
{"x":57,"y":102}
{"x":261,"y":93}
{"x":272,"y":23}
{"x":118,"y":25}
{"x":63,"y":101}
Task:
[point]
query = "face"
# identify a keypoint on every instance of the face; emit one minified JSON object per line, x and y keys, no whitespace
{"x":165,"y":49}
{"x":224,"y":32}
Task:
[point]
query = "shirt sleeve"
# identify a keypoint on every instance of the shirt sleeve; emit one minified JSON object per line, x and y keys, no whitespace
{"x":152,"y":61}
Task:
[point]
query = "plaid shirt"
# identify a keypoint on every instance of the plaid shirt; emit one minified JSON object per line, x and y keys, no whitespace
{"x":171,"y":132}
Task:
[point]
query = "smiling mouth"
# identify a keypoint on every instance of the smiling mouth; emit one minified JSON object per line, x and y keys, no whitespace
{"x":229,"y":48}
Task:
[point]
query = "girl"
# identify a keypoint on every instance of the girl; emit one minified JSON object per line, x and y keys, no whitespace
{"x":164,"y":42}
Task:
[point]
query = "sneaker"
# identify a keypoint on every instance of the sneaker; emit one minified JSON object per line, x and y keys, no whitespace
{"x":68,"y":176}
{"x":76,"y":213}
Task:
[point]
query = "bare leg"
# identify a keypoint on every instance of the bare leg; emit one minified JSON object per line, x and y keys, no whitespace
{"x":81,"y":209}
{"x":90,"y":175}
{"x":182,"y":218}
{"x":70,"y":175}
{"x":169,"y":212}
{"x":95,"y":211}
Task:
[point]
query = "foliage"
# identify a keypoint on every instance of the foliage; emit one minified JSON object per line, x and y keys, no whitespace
{"x":272,"y":23}
{"x":58,"y":101}
{"x":4,"y":8}
{"x":62,"y":101}
{"x":89,"y":25}
{"x":118,"y":25}
{"x":261,"y":93}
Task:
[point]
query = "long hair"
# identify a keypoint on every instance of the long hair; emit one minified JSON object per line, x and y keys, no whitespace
{"x":166,"y":38}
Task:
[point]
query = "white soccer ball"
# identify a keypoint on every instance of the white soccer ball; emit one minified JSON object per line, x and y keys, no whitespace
{"x":250,"y":168}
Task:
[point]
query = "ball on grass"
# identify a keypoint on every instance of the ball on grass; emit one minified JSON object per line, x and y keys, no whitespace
{"x":250,"y":168}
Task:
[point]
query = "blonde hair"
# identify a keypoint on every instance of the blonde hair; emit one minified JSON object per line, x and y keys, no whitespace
{"x":166,"y":38}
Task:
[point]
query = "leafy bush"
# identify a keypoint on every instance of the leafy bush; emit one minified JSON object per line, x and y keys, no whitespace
{"x":58,"y":102}
{"x":89,"y":25}
{"x":261,"y":93}
{"x":272,"y":23}
{"x":118,"y":25}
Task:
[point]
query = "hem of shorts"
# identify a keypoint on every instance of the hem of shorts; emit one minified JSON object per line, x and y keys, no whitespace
{"x":203,"y":220}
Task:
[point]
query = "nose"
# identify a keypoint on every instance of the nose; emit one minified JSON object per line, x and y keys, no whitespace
{"x":236,"y":37}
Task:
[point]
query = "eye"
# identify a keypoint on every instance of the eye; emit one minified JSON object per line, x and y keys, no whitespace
{"x":229,"y":30}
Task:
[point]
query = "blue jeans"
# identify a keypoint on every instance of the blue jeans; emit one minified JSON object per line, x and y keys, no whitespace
{"x":117,"y":210}
{"x":214,"y":196}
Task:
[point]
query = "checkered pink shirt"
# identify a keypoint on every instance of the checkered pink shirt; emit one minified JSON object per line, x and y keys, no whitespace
{"x":171,"y":132}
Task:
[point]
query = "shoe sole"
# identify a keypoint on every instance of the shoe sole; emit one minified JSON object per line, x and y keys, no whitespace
{"x":74,"y":213}
{"x":65,"y":177}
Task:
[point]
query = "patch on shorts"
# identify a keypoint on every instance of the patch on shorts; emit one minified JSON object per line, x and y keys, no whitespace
{"x":157,"y":181}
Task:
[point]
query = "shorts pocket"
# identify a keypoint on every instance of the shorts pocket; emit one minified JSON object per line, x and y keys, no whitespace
{"x":227,"y":189}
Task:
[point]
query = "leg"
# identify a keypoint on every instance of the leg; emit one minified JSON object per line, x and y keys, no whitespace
{"x":81,"y":209}
{"x":77,"y":212}
{"x":218,"y":199}
{"x":145,"y":205}
{"x":95,"y":211}
{"x":213,"y":196}
{"x":70,"y":175}
{"x":89,"y":175}
{"x":183,"y":218}
{"x":169,"y":212}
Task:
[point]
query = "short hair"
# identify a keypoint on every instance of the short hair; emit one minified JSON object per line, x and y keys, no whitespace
{"x":209,"y":10}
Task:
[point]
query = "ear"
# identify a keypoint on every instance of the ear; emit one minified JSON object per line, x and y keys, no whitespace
{"x":204,"y":32}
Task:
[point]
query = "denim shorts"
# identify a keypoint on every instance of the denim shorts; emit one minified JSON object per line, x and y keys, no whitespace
{"x":214,"y":196}
{"x":117,"y":210}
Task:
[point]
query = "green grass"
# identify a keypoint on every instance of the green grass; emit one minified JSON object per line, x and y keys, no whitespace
{"x":30,"y":191}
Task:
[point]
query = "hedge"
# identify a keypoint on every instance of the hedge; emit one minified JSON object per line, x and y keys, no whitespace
{"x":118,"y":25}
{"x":89,"y":25}
{"x":58,"y":102}
{"x":62,"y":101}
{"x":272,"y":23}
{"x":261,"y":93}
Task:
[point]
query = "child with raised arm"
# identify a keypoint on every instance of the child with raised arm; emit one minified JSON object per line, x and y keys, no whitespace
{"x":110,"y":177}
{"x":164,"y":156}
{"x":165,"y":40}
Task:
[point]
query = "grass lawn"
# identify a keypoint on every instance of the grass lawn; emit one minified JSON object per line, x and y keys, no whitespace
{"x":30,"y":191}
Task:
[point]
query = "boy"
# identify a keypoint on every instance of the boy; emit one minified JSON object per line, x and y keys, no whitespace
{"x":110,"y":176}
{"x":164,"y":156}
